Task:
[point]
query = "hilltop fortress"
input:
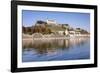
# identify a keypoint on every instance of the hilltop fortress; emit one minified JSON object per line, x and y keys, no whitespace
{"x":50,"y":28}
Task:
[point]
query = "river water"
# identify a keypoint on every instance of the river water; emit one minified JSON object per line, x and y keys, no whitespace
{"x":56,"y":50}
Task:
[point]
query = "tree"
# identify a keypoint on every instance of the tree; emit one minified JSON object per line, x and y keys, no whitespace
{"x":49,"y":31}
{"x":27,"y":30}
{"x":64,"y":33}
{"x":23,"y":29}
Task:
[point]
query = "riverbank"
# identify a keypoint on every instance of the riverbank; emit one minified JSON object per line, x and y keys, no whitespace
{"x":50,"y":36}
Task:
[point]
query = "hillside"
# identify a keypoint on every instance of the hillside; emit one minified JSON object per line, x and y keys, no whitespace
{"x":52,"y":27}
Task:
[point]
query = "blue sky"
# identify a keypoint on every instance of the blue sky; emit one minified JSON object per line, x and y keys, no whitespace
{"x":75,"y":20}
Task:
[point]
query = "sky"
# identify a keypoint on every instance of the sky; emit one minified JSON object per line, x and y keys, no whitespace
{"x":75,"y":20}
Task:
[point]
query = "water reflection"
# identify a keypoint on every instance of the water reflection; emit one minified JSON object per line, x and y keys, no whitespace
{"x":45,"y":50}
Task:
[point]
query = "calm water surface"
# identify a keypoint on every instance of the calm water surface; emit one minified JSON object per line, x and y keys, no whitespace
{"x":55,"y":50}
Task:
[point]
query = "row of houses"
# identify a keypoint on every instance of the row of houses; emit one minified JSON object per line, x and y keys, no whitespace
{"x":73,"y":32}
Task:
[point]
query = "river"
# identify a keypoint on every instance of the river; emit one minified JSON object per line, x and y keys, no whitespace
{"x":56,"y":49}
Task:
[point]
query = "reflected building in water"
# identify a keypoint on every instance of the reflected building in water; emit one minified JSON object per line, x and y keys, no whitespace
{"x":51,"y":46}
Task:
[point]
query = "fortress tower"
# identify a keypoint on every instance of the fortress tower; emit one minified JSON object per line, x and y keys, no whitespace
{"x":50,"y":22}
